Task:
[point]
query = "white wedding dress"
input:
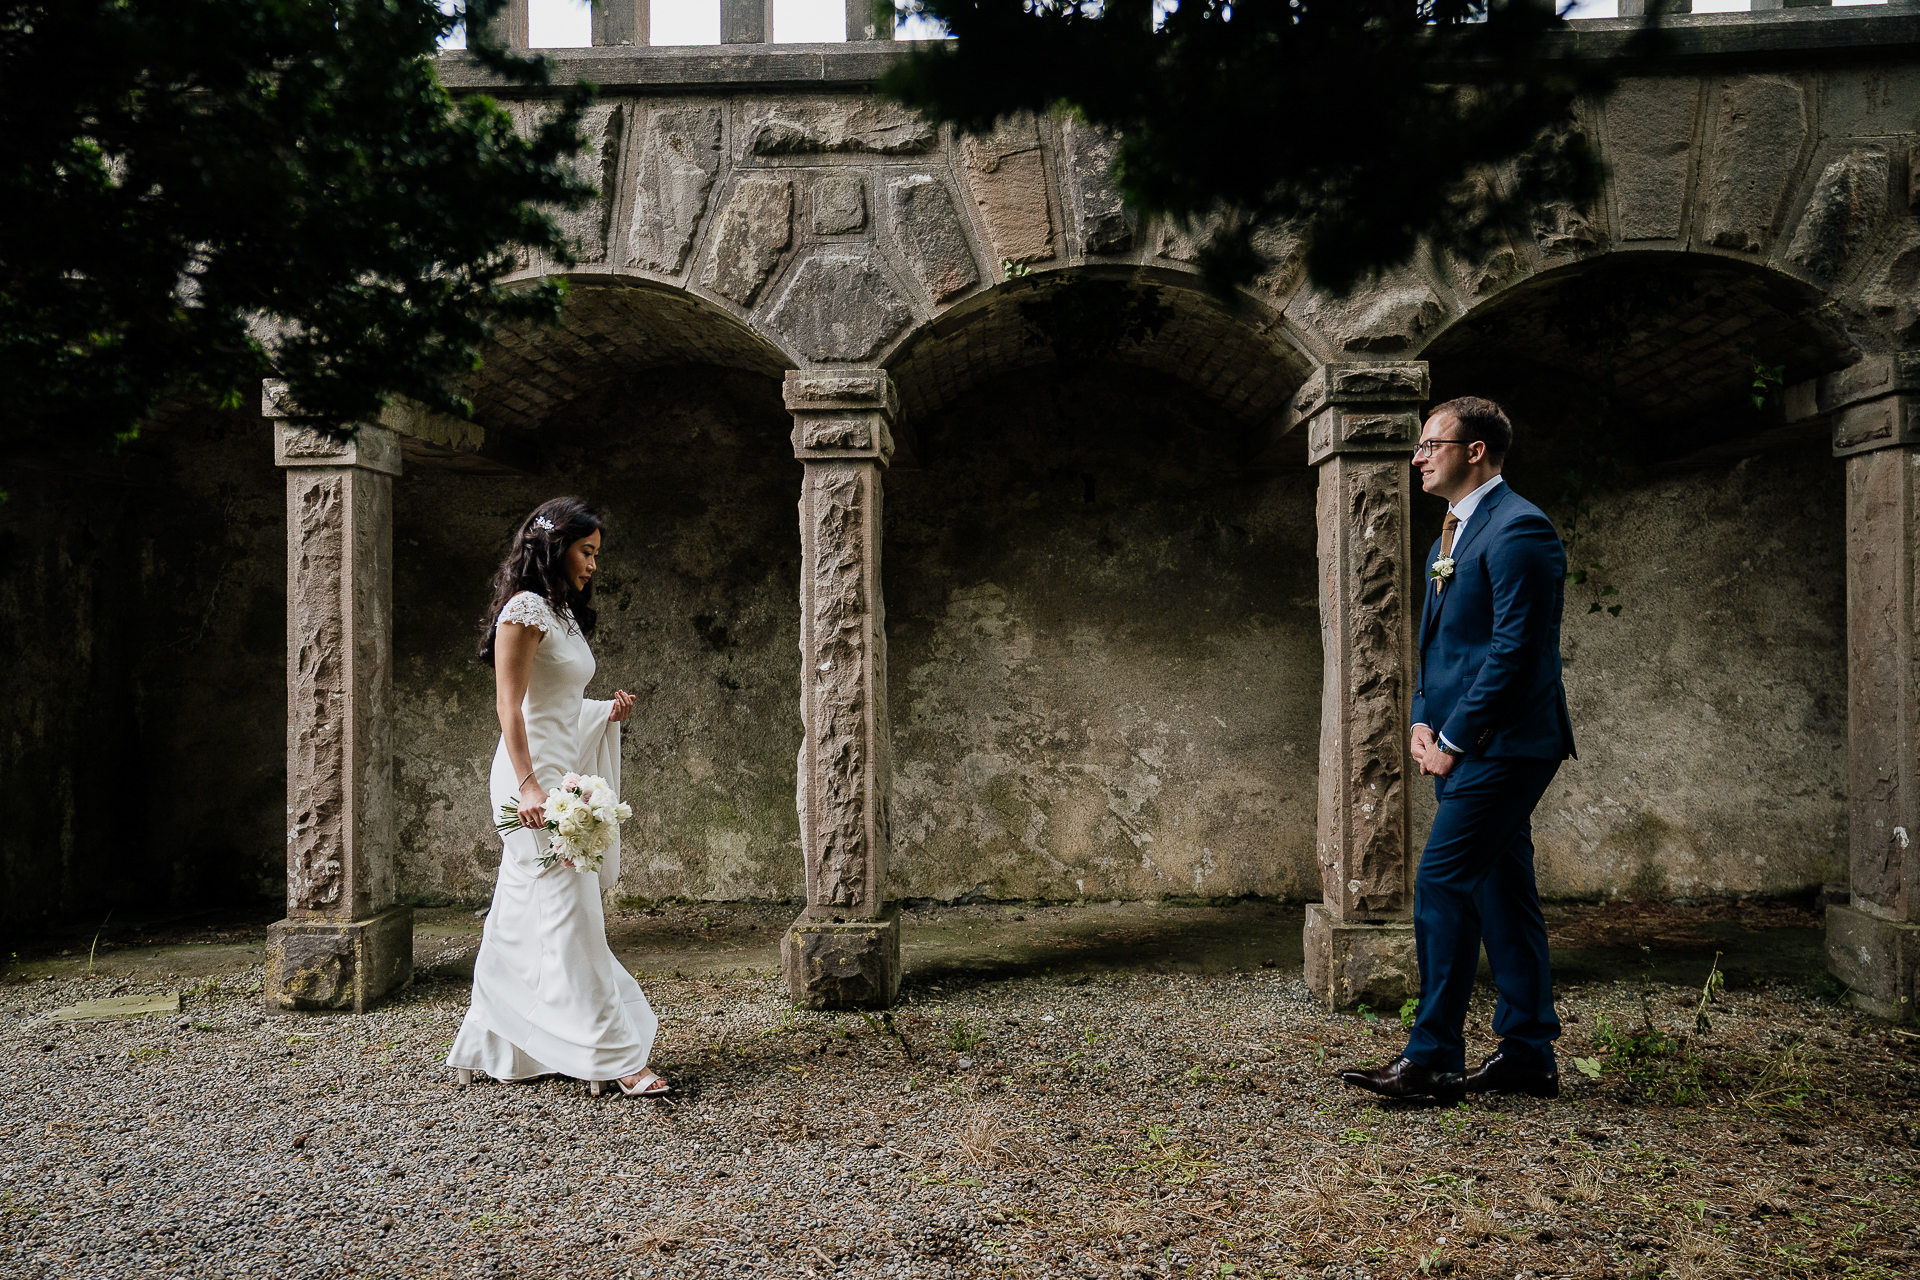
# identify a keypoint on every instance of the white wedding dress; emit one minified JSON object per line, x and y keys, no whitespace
{"x":548,"y":995}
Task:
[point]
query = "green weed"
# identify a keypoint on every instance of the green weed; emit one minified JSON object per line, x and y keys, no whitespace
{"x":962,"y":1037}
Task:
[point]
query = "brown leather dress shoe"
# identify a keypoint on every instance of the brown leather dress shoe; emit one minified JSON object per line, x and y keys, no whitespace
{"x":1405,"y":1079}
{"x":1501,"y":1074}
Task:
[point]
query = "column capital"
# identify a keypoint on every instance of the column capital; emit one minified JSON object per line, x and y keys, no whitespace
{"x":1360,"y":407}
{"x":372,"y":448}
{"x":841,"y":413}
{"x":1874,"y":404}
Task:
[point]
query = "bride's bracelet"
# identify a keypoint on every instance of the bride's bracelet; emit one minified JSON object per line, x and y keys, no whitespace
{"x":523,"y":781}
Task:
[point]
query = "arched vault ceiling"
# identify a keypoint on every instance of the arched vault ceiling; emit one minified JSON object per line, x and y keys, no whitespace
{"x":1669,"y":339}
{"x":609,"y":328}
{"x":1244,"y":364}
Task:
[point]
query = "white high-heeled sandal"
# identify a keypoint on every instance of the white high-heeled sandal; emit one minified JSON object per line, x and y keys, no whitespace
{"x":644,"y":1090}
{"x":462,"y":1077}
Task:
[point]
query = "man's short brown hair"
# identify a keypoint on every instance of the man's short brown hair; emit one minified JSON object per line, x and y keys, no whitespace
{"x":1481,"y":420}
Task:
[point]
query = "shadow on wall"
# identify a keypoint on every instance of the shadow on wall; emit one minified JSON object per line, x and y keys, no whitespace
{"x":1104,"y":648}
{"x":143,"y":633}
{"x":699,"y":617}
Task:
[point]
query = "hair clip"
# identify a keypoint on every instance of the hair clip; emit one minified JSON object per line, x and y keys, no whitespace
{"x":541,"y":522}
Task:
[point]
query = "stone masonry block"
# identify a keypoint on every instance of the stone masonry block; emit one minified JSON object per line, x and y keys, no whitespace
{"x":1878,"y":959}
{"x":1401,"y":384}
{"x":1650,"y":126}
{"x":839,"y":204}
{"x":753,"y":231}
{"x":1846,"y":207}
{"x":1877,"y":424}
{"x":321,"y":966}
{"x":1869,"y":379}
{"x":1341,"y":430}
{"x":1760,"y":129}
{"x":1351,"y":964}
{"x":839,"y":309}
{"x":843,"y":964}
{"x":815,"y":390}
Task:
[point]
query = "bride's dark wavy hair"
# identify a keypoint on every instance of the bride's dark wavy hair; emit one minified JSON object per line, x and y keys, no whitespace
{"x":535,"y":563}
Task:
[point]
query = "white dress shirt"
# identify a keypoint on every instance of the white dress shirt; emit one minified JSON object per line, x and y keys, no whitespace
{"x":1463,"y":511}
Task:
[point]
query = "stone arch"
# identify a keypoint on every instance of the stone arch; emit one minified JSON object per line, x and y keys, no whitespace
{"x":614,"y":324}
{"x":1248,"y":363}
{"x":1669,"y":340}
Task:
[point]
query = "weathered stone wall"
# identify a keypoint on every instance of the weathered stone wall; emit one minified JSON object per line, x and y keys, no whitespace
{"x":699,"y":618}
{"x":143,"y":637}
{"x":1105,"y":649}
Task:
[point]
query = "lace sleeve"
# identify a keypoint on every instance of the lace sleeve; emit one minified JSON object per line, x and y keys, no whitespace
{"x":529,"y":610}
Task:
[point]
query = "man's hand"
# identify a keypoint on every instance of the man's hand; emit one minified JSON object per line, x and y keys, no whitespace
{"x":1423,"y":746}
{"x":1433,"y":762}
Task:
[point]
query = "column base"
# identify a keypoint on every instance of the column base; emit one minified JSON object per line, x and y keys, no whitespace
{"x":321,"y":966}
{"x":1351,"y":963}
{"x":853,"y":964}
{"x":1878,"y":959}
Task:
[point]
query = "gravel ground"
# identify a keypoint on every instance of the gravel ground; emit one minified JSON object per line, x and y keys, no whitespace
{"x":1120,"y":1125}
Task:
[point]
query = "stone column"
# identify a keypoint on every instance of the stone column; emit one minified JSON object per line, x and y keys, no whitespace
{"x":844,"y":950}
{"x":1873,"y":942}
{"x":622,"y":22}
{"x":868,"y":21}
{"x":746,"y":21}
{"x":1361,"y":422}
{"x":343,"y":944}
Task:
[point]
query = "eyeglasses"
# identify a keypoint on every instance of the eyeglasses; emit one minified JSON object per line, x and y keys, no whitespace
{"x":1426,"y":448}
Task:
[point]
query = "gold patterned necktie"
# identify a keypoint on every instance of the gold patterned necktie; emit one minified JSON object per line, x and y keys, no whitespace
{"x":1447,"y":527}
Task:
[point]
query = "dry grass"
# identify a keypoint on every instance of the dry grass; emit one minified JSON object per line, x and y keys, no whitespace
{"x":1475,"y":1221}
{"x":985,"y":1139}
{"x":663,"y":1235}
{"x":1540,"y":1202}
{"x":1699,"y":1256}
{"x":1583,"y":1187}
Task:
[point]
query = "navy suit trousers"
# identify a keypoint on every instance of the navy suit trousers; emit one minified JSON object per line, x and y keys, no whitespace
{"x":1476,"y":883}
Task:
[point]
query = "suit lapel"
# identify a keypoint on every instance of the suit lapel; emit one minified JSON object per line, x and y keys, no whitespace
{"x":1482,"y":517}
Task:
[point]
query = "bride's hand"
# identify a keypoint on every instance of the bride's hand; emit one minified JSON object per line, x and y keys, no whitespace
{"x":622,"y":706}
{"x":533,"y":807}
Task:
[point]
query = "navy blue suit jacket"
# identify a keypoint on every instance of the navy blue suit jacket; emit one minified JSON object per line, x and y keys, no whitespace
{"x":1490,"y":641}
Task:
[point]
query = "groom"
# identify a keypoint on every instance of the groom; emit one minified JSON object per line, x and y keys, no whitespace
{"x":1490,"y":726}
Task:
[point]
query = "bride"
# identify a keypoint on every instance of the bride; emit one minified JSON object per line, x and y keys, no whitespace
{"x":548,"y":995}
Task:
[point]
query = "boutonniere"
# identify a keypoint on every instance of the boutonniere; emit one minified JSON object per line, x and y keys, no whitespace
{"x":1442,"y":570}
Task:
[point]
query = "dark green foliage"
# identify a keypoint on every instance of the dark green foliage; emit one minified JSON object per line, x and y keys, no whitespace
{"x":183,"y":180}
{"x":1363,"y":126}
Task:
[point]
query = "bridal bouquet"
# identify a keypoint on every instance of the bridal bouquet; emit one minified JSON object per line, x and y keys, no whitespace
{"x":583,"y":816}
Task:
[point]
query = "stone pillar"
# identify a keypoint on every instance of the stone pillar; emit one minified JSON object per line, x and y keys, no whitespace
{"x":867,"y":20}
{"x":1361,"y":422}
{"x":1873,"y":942}
{"x":343,"y":944}
{"x":746,"y":21}
{"x":510,"y":25}
{"x":844,"y":950}
{"x":622,"y":22}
